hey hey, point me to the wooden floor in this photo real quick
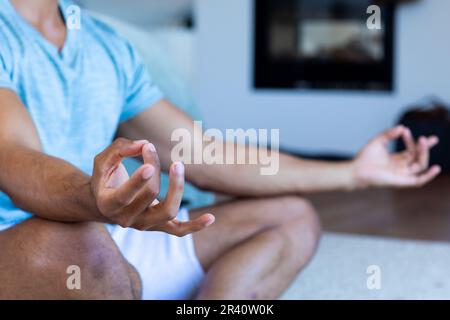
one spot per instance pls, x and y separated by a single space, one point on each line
410 214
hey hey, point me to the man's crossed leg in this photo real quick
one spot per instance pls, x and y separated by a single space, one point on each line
254 250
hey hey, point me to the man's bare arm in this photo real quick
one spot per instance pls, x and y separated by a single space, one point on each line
54 189
44 185
374 166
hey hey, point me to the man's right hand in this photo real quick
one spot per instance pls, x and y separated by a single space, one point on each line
131 202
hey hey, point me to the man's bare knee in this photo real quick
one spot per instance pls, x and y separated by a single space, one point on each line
302 226
298 208
48 249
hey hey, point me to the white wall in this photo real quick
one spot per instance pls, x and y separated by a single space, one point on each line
312 121
143 13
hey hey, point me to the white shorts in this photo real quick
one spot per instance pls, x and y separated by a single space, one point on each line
168 265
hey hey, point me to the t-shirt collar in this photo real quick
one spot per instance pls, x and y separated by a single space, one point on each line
71 42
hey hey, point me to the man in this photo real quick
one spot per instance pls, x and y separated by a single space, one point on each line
64 96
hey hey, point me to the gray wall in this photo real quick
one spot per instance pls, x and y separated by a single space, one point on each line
315 121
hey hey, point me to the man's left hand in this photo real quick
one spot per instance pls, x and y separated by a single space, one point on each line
376 166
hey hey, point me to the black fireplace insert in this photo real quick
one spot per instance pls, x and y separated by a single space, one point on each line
323 44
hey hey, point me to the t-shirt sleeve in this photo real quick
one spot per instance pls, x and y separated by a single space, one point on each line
5 74
140 91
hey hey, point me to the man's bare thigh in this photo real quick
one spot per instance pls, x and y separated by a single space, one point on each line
36 253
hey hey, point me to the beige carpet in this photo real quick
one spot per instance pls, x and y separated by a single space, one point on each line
408 269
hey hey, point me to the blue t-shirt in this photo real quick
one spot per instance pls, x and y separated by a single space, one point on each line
77 96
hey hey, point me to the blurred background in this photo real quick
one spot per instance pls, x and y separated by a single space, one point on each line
311 121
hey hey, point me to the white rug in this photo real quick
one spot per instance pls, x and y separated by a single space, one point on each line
408 270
